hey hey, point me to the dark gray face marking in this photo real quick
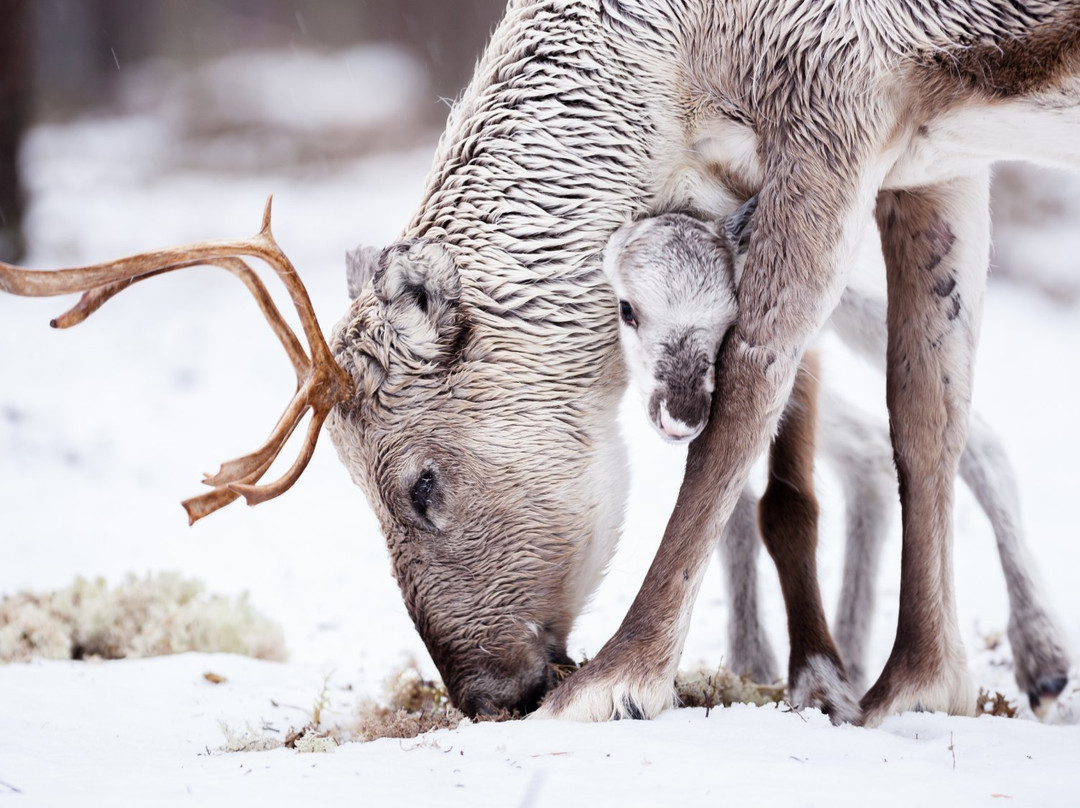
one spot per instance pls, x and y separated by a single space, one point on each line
681 371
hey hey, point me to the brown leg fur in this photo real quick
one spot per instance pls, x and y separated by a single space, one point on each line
788 518
936 243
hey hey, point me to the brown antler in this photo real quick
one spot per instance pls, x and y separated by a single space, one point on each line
320 381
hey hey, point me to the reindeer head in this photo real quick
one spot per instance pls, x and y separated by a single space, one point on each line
675 277
498 480
494 496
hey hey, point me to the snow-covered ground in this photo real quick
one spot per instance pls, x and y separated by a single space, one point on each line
103 429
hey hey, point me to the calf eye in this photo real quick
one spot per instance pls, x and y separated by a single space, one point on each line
423 492
626 313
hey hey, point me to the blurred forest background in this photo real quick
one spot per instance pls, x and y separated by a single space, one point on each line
62 58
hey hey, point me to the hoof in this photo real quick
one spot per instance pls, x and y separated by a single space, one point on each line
630 709
600 692
1045 694
822 683
950 691
1040 661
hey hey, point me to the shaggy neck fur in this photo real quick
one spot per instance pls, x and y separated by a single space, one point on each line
548 151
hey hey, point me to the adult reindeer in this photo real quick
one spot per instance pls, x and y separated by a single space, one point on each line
478 415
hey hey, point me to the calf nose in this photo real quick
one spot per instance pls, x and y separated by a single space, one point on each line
672 428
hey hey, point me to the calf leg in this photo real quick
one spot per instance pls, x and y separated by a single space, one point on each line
858 448
749 652
936 246
862 458
788 515
1041 662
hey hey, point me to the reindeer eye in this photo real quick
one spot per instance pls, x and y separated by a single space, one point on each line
626 313
423 492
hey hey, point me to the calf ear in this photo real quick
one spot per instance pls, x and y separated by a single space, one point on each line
736 227
360 267
420 285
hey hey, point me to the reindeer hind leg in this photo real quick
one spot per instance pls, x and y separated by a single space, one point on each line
936 246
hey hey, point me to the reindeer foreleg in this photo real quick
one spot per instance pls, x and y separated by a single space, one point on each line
936 246
803 236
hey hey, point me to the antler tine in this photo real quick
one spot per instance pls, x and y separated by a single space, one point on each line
321 382
254 494
266 249
324 384
94 299
241 468
206 504
228 491
237 477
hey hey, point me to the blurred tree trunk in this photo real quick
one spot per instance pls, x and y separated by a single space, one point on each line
14 95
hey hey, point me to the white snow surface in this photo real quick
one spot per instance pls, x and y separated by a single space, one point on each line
103 429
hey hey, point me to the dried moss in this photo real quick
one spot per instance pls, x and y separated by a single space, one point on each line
994 704
141 617
413 706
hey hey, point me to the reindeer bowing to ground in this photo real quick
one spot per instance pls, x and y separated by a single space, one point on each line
472 385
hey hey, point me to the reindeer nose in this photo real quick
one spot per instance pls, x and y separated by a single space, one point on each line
519 693
519 698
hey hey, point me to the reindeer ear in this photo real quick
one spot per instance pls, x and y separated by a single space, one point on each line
614 247
420 285
736 227
360 267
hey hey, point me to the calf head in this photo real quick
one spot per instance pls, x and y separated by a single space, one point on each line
675 277
499 500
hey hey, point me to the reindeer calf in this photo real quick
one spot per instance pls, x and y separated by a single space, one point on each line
675 277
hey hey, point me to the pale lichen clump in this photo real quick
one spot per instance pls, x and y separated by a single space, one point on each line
313 743
722 688
247 740
141 617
